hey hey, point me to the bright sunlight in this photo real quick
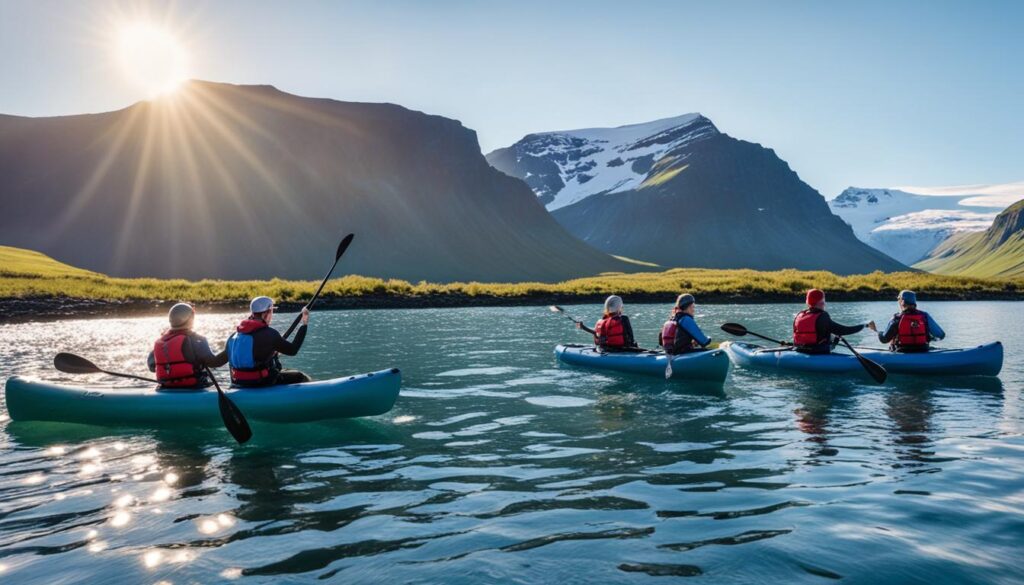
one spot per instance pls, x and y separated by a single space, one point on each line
151 58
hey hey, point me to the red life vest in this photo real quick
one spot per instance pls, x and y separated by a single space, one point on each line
673 337
172 369
244 369
805 329
610 332
912 331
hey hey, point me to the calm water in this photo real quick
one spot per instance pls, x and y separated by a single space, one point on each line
499 466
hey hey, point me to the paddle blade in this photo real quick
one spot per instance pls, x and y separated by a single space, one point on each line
234 420
555 309
70 363
874 369
343 246
668 367
734 329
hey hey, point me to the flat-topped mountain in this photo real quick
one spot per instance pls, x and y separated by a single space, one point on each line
225 181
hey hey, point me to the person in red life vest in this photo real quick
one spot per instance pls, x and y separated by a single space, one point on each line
613 332
254 346
813 328
910 330
680 334
181 356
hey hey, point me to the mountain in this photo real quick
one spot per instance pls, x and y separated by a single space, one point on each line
996 252
236 182
680 193
908 226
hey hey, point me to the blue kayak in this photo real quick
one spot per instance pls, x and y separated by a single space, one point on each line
352 396
984 360
711 365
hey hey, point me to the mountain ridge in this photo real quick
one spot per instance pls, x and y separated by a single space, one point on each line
998 252
237 181
705 200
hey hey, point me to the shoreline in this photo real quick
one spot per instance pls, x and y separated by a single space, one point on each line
55 308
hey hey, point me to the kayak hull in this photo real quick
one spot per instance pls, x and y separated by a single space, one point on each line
712 365
983 360
353 396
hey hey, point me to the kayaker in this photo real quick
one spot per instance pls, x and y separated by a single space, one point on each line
813 328
254 346
680 334
613 331
180 357
910 330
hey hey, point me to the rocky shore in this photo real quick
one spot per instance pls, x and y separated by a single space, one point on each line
48 308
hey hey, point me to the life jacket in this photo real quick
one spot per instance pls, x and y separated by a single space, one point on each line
173 370
610 332
674 338
912 331
245 371
805 329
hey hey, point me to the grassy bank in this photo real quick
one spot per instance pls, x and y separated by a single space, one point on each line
30 276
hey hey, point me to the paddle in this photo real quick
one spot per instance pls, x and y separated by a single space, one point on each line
337 256
739 331
874 369
557 309
234 420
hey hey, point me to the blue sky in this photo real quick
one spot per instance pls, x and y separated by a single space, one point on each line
864 93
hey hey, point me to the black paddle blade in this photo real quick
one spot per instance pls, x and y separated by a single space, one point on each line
234 420
734 329
343 246
874 369
70 363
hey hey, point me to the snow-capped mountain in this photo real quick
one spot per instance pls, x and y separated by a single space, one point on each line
565 167
908 226
677 192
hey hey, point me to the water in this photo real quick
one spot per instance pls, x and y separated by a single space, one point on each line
499 466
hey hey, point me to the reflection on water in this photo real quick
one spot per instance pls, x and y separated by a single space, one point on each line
499 466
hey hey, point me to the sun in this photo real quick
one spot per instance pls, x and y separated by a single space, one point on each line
151 58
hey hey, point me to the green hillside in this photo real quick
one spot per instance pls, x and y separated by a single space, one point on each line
26 263
997 252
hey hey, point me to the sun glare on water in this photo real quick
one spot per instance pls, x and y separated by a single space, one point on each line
152 58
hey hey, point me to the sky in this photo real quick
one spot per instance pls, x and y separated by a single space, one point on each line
872 94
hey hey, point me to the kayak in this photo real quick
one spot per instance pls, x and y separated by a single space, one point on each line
348 397
710 365
984 360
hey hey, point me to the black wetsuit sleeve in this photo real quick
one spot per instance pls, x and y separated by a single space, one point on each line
627 332
151 362
282 345
837 329
205 356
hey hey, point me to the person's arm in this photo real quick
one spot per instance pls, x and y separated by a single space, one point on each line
842 330
587 329
691 327
282 345
627 332
934 330
890 331
151 362
205 356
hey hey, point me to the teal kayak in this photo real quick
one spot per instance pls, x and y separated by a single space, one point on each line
712 365
348 397
984 360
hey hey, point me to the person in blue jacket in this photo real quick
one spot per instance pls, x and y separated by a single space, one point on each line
680 334
910 330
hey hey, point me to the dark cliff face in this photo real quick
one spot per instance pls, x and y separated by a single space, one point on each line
230 181
719 202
